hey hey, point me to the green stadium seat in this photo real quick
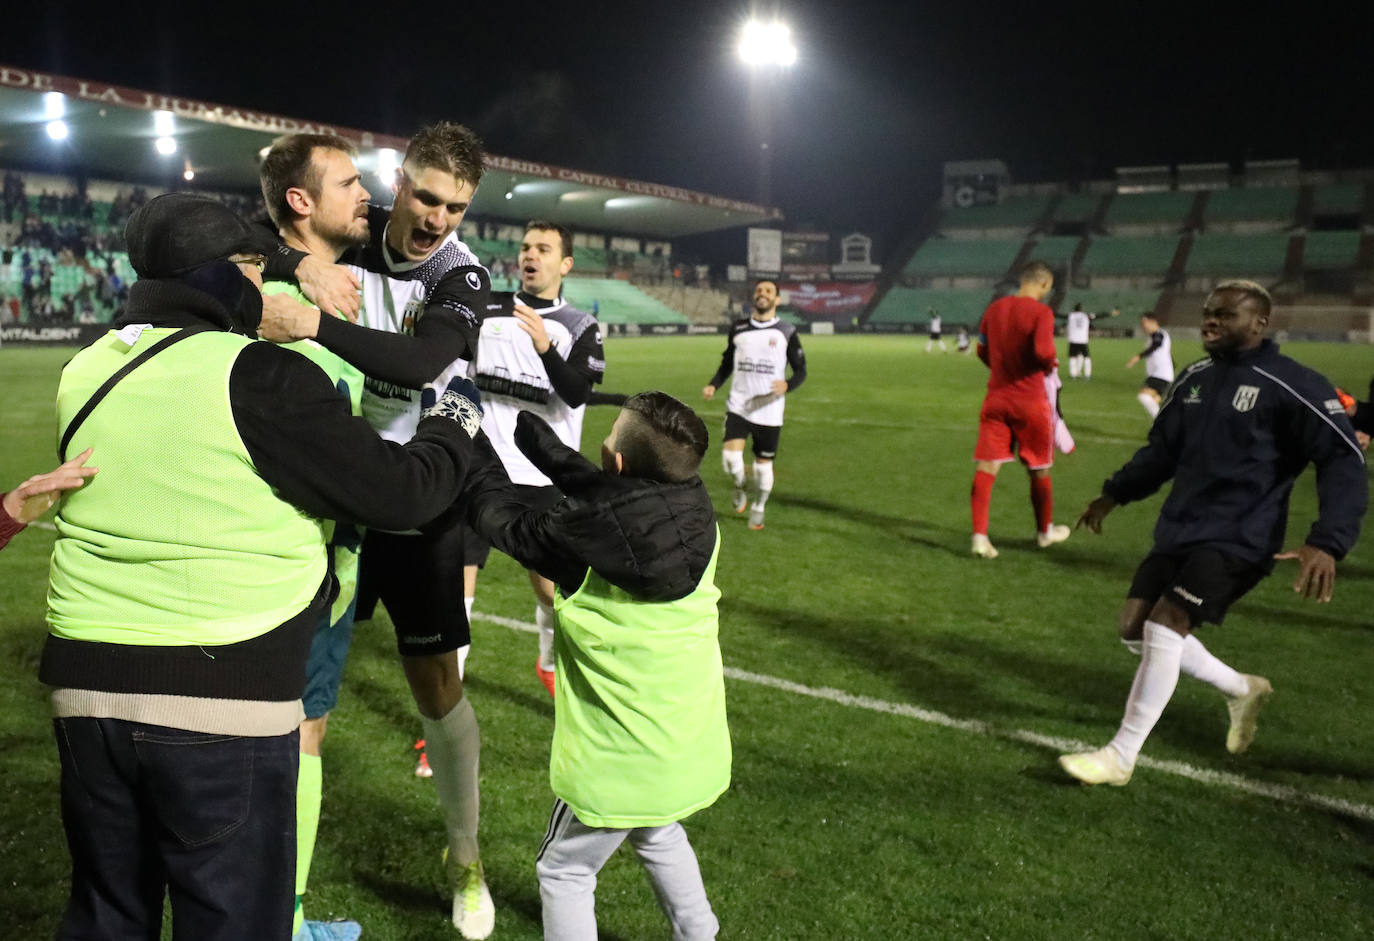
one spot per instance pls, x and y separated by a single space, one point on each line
1131 304
1338 199
1014 212
1149 209
618 301
941 256
1327 250
1055 249
1077 207
1125 255
912 305
1261 204
1222 255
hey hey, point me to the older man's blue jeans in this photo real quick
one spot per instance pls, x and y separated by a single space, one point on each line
210 820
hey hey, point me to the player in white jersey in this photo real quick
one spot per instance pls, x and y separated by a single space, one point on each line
542 355
1078 329
935 326
1159 364
422 294
758 353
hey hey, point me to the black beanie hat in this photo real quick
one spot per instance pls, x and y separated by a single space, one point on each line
173 233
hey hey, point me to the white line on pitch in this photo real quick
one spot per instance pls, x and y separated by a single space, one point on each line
1278 792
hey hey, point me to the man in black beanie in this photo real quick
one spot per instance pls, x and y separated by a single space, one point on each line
188 577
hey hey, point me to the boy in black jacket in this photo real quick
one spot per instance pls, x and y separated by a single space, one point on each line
1234 432
641 740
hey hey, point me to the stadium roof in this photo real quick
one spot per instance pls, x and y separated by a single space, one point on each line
111 132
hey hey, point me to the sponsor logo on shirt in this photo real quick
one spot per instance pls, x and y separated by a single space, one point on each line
1334 406
1194 396
1245 398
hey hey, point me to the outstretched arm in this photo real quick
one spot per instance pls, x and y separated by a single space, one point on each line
35 496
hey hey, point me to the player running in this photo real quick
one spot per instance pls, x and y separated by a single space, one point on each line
1078 329
1234 434
758 352
1159 363
935 337
1016 341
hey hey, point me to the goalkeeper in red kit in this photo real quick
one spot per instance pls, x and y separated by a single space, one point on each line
1016 342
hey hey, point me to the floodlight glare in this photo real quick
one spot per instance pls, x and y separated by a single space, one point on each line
57 130
162 123
54 105
386 165
166 146
189 175
767 44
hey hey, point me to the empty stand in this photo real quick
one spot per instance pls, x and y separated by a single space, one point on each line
1275 205
1229 255
1126 255
1015 212
903 305
618 301
1148 211
952 257
1331 250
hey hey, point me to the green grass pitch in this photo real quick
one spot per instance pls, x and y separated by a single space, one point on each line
844 821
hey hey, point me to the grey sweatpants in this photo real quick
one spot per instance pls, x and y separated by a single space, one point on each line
574 853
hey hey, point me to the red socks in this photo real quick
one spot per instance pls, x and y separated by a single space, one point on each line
981 499
1042 498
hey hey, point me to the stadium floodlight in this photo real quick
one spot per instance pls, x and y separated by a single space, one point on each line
189 175
54 105
58 130
166 146
763 44
163 123
386 165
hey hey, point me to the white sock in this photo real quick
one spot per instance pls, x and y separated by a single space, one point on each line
453 746
1075 366
544 619
1151 404
733 462
1199 663
1087 367
467 606
763 479
1155 680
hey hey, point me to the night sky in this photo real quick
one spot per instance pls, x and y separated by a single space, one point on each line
883 93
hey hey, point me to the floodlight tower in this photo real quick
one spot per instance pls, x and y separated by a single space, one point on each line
767 49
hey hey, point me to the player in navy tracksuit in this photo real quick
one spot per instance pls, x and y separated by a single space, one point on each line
1234 433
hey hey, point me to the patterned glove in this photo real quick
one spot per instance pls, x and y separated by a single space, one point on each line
460 402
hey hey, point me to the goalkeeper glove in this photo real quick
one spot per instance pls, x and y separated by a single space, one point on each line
459 401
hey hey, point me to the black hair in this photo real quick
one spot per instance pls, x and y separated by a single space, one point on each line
664 441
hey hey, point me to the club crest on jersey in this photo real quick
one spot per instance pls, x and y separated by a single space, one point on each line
1245 398
411 314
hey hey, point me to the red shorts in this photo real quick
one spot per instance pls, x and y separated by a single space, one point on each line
1016 426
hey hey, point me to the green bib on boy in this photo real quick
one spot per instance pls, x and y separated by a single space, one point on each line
640 737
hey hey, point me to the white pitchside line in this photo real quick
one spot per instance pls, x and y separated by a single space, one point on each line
1278 792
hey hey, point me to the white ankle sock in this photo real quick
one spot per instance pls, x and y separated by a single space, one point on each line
1199 663
1155 680
1087 367
1075 366
1151 405
453 746
544 619
733 462
763 479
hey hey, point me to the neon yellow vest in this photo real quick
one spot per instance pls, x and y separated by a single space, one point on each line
177 540
640 738
348 379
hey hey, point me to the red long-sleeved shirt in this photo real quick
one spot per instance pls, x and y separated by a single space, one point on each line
1016 341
